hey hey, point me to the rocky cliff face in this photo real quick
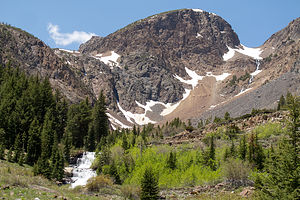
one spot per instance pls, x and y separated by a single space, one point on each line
31 54
185 63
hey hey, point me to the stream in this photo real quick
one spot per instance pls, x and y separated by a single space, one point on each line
82 171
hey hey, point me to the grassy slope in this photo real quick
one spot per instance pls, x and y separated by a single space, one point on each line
23 185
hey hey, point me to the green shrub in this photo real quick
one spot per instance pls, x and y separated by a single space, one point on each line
267 130
236 171
96 183
131 192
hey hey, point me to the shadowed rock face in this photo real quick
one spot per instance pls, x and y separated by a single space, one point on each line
151 52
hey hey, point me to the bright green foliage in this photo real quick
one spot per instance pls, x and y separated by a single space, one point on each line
149 185
269 130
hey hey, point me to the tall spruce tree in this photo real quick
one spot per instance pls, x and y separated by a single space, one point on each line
47 135
149 185
243 148
99 118
34 141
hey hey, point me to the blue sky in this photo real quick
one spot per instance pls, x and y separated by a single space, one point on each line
67 23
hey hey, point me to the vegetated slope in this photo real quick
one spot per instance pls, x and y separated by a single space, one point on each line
23 50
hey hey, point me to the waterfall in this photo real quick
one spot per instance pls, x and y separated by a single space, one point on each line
257 71
82 171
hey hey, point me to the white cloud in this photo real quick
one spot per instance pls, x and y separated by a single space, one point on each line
65 39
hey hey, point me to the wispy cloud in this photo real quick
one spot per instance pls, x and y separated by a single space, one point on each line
65 39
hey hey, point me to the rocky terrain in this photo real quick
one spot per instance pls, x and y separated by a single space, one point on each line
185 63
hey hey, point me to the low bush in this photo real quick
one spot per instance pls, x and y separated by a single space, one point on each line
96 183
236 172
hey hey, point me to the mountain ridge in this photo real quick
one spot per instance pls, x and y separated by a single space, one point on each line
166 62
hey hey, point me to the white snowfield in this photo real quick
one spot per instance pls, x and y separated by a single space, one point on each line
109 60
197 10
195 77
252 52
69 51
140 119
115 122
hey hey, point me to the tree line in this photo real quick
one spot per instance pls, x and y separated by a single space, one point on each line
38 126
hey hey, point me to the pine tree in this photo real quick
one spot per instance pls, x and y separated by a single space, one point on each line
90 141
2 139
281 102
9 155
281 180
47 135
78 122
33 146
57 165
125 144
2 151
227 116
21 157
243 148
113 172
171 161
149 185
17 148
99 118
67 147
209 156
255 153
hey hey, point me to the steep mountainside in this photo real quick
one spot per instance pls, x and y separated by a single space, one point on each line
31 54
185 63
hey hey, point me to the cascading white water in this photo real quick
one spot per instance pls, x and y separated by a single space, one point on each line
82 171
257 71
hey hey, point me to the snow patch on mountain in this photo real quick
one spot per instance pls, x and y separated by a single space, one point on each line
228 54
252 52
197 10
218 77
140 119
110 60
116 122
